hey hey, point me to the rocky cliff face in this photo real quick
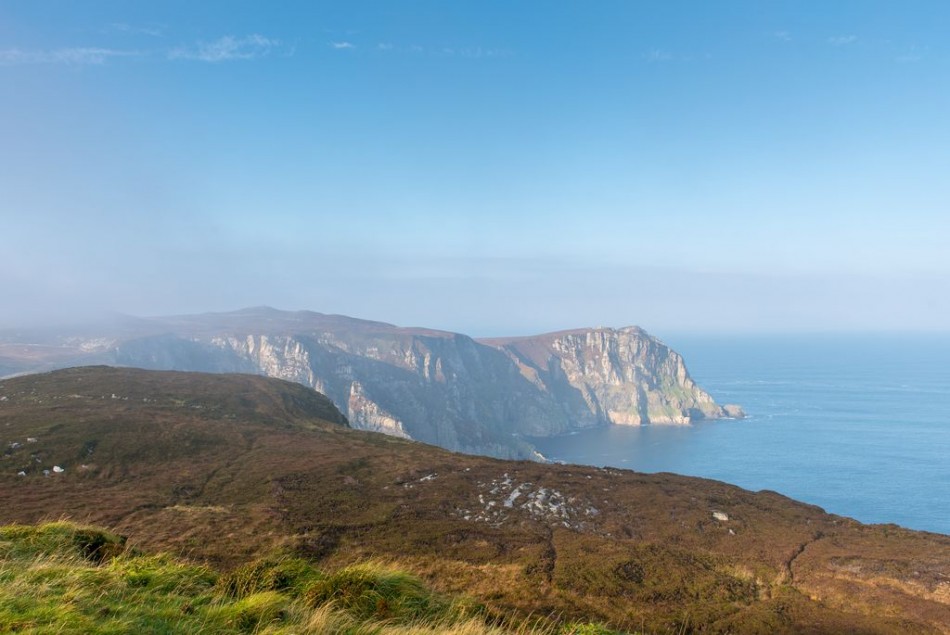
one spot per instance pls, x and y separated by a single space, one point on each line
442 388
620 376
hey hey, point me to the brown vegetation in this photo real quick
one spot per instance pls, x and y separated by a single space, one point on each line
227 468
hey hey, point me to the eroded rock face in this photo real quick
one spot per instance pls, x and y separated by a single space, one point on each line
620 376
442 388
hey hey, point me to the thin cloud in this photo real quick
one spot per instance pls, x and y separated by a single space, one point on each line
842 40
342 46
479 52
910 55
226 49
151 30
657 56
784 36
467 52
75 56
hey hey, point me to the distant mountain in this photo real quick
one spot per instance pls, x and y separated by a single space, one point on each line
474 396
227 468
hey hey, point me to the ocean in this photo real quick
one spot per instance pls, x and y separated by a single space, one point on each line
856 424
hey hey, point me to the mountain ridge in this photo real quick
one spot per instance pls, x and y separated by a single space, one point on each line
480 396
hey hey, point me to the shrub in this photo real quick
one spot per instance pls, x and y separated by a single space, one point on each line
274 574
375 592
60 539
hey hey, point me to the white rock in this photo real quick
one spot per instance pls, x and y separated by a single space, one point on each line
720 516
58 469
513 496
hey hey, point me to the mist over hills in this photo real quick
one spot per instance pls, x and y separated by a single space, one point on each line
448 389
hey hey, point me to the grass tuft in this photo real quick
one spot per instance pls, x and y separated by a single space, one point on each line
588 629
252 613
60 539
287 574
372 591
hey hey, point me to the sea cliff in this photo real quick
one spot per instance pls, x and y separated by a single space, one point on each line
448 389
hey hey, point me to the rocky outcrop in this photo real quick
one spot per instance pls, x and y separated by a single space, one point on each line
443 388
620 376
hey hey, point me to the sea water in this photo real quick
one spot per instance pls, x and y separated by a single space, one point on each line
857 424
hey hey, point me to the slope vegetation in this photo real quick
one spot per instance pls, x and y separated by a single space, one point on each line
227 469
63 578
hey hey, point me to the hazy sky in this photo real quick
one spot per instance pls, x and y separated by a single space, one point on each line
489 167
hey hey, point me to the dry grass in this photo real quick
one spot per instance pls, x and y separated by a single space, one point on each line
51 582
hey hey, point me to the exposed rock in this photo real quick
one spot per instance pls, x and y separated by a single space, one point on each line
621 376
733 411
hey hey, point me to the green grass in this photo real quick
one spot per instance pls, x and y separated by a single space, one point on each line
65 578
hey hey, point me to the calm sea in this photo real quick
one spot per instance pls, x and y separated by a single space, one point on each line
859 425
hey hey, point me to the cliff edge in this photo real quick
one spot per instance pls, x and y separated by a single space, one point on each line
613 376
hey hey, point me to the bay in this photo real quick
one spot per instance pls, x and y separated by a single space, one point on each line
857 424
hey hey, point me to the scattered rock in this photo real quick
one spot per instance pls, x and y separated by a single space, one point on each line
733 411
720 516
502 496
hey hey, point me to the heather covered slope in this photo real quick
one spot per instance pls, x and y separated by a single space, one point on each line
223 469
433 386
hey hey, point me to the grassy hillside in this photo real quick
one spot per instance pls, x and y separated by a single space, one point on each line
65 578
223 470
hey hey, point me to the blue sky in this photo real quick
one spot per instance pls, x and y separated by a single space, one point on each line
489 167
